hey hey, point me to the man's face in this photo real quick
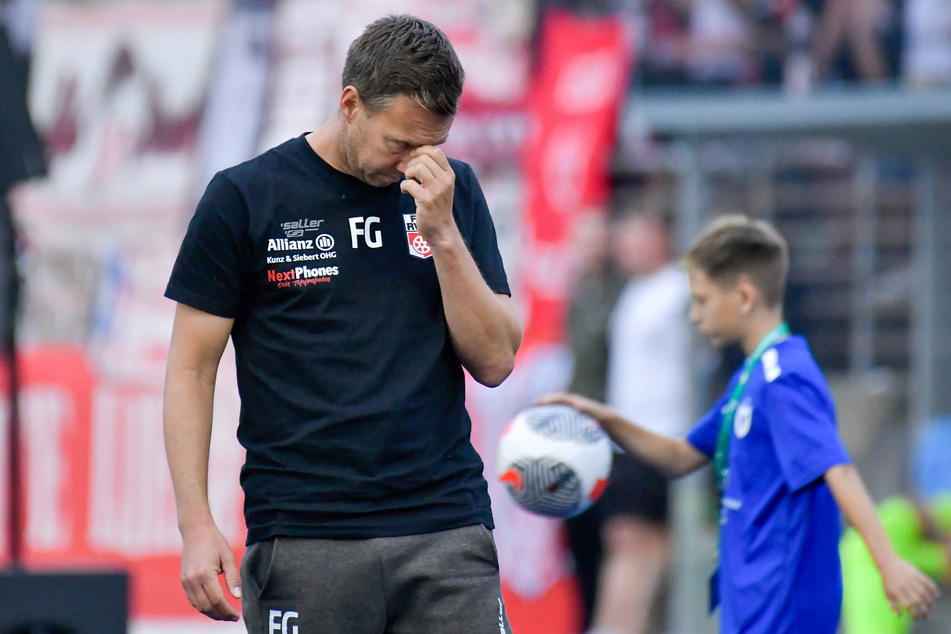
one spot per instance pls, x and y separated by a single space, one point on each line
377 144
716 311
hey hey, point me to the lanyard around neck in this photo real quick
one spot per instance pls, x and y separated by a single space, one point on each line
721 457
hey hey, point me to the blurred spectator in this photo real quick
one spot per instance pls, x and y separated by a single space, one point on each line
714 43
927 57
721 44
597 287
20 16
666 43
596 290
646 379
856 39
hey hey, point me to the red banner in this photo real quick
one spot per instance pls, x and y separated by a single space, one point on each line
95 489
582 78
573 106
54 458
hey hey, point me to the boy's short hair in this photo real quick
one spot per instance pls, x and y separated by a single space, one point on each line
404 55
735 245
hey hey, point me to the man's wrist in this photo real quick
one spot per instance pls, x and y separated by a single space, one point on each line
446 240
194 520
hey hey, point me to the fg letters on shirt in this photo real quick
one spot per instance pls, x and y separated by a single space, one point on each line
280 622
360 226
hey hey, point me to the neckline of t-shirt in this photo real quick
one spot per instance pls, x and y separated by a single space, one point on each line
326 168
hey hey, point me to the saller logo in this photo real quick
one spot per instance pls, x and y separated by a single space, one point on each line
418 247
296 228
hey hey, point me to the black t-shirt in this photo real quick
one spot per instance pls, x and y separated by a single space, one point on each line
352 396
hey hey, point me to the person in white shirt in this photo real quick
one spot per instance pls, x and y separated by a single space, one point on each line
647 380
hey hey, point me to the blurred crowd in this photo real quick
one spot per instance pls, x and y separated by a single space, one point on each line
797 44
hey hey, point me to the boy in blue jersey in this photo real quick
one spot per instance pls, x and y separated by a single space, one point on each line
783 472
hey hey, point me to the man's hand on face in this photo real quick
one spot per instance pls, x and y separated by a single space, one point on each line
431 182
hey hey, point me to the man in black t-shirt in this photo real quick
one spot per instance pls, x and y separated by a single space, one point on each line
356 271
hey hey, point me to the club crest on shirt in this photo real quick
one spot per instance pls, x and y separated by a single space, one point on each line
743 419
418 247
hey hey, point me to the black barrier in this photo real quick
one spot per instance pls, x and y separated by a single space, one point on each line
64 602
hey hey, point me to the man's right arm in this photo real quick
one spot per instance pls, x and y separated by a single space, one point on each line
198 341
673 457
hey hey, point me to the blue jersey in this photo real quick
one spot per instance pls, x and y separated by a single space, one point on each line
779 534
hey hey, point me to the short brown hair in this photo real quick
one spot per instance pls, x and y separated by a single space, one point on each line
735 245
404 55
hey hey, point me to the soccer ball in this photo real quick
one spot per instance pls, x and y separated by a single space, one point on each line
554 460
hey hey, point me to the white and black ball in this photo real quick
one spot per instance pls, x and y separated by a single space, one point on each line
553 460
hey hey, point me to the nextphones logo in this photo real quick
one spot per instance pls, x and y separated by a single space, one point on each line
302 276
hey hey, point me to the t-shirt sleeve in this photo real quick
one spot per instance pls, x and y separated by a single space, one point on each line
212 260
704 434
803 431
481 237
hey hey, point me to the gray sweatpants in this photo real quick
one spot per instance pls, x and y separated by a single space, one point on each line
437 583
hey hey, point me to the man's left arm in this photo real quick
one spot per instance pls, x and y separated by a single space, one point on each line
905 586
483 324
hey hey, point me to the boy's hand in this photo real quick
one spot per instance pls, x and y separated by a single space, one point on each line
674 457
906 587
588 407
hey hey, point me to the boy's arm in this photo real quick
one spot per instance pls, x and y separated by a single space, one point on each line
905 586
674 457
